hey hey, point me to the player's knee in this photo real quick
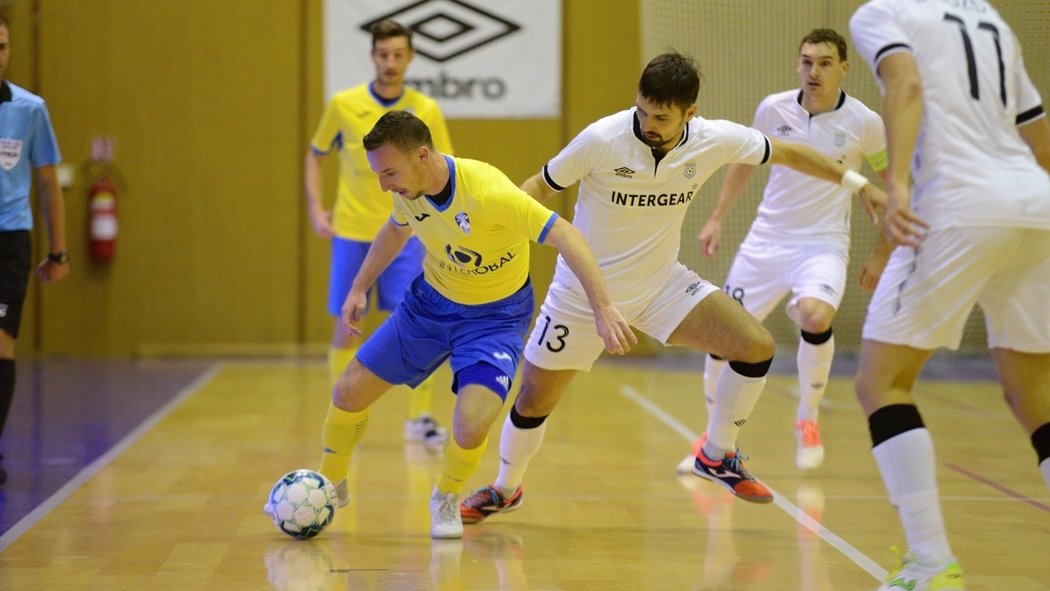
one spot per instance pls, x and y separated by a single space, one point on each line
760 348
815 316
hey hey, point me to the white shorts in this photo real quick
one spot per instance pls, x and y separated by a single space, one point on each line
565 336
763 273
925 295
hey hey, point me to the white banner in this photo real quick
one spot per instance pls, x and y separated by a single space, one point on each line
480 59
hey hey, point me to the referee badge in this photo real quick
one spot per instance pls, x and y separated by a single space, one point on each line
10 153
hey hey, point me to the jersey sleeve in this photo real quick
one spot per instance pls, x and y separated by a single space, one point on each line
876 33
43 147
575 161
741 144
512 208
1029 102
399 215
329 131
762 114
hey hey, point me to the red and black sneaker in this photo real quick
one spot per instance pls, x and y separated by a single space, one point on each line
487 501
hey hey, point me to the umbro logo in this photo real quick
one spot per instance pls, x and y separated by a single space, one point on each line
784 130
624 172
422 217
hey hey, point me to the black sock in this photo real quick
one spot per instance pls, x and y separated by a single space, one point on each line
7 389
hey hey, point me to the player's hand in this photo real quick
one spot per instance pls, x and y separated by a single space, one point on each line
872 270
900 224
710 236
873 199
321 220
354 307
50 271
614 330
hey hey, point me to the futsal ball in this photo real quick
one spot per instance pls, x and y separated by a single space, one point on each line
302 503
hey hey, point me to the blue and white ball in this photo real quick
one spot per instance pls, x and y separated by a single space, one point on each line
302 503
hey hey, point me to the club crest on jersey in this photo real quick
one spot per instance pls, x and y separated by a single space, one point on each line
463 221
10 152
840 139
690 169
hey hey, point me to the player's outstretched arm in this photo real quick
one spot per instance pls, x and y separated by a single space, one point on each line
612 327
537 188
736 178
387 244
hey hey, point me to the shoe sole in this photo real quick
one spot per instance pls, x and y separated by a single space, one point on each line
756 500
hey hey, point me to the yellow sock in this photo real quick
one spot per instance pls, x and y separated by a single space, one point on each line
338 359
341 431
460 465
420 398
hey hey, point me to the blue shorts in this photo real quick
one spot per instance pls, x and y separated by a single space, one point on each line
427 328
347 256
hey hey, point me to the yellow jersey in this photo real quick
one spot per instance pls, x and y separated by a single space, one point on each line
477 242
361 206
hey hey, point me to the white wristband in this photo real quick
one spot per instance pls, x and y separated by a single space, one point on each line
853 180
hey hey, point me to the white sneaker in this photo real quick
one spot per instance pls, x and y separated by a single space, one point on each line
810 454
445 521
342 492
426 430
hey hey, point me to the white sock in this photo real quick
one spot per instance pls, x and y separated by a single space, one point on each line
1044 467
516 449
735 398
712 369
908 470
814 367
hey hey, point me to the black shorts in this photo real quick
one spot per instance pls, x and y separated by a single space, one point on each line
15 250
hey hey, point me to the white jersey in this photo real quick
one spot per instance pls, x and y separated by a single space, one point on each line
971 167
799 208
631 206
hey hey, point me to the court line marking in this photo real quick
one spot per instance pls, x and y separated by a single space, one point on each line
41 510
847 549
1003 489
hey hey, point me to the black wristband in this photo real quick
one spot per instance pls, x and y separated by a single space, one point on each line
58 257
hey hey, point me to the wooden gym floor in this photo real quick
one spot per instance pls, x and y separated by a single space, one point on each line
154 477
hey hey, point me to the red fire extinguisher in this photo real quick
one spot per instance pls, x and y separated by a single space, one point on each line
102 221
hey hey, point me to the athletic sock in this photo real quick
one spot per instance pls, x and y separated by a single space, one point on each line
735 398
7 389
341 431
338 359
713 367
814 367
460 465
908 468
517 446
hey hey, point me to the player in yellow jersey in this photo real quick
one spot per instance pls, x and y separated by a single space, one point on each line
362 207
472 305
